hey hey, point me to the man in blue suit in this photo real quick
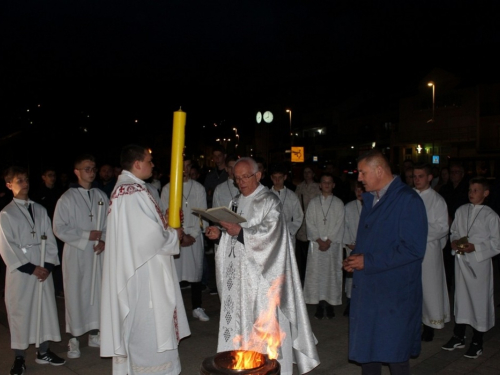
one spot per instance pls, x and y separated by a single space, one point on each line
386 300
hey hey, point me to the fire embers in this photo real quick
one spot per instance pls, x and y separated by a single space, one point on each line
241 362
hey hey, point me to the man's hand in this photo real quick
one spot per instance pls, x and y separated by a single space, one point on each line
232 229
41 273
323 245
212 233
187 240
468 248
95 235
180 233
99 248
354 262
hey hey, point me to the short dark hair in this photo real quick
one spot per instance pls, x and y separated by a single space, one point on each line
219 148
11 172
481 181
425 166
130 154
231 157
278 168
326 174
83 157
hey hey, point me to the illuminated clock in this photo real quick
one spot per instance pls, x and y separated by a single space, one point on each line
268 116
259 117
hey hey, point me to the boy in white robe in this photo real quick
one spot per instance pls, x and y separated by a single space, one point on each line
22 223
189 264
76 224
436 303
475 239
294 216
352 214
325 230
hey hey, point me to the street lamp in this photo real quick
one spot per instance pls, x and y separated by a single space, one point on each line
431 84
289 111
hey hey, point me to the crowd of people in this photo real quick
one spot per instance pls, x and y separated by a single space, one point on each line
396 247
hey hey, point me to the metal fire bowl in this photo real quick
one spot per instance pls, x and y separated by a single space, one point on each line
219 365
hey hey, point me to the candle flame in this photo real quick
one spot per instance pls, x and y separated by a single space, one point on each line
266 336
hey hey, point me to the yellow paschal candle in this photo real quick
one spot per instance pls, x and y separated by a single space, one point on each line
176 166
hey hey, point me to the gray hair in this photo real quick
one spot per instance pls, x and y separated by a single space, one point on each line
250 161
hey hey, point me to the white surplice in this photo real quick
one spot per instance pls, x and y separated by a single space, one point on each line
294 216
189 264
143 316
72 225
474 303
352 213
245 273
436 302
325 220
224 193
305 192
18 246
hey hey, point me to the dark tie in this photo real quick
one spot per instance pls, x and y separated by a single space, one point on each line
30 210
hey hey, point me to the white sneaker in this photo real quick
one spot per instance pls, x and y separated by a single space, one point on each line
74 348
199 313
95 340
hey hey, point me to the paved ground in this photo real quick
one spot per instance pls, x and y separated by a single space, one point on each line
332 347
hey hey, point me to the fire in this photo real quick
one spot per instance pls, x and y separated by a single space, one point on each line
266 335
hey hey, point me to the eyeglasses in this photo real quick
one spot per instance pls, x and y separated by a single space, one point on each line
88 170
244 178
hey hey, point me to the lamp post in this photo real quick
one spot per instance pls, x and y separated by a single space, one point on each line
431 84
289 111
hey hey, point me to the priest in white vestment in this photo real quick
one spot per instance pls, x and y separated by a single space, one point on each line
142 314
76 224
475 239
189 263
251 257
22 223
436 303
325 231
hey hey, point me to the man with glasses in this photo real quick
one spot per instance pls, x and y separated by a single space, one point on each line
76 224
255 259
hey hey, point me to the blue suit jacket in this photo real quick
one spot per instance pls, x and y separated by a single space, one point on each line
386 301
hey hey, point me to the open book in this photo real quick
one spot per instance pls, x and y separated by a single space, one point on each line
218 214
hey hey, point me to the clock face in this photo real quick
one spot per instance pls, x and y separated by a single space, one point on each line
259 117
268 116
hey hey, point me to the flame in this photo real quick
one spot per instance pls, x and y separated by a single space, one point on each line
266 335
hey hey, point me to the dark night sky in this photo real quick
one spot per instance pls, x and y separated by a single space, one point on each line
118 60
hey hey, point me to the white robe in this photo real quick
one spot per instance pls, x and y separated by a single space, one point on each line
294 215
19 247
323 281
352 213
474 303
305 192
245 273
436 302
189 264
72 225
224 193
142 315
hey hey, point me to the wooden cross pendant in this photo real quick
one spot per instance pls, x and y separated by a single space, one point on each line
33 233
91 216
324 221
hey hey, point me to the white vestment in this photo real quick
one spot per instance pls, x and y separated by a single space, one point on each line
72 225
245 273
325 220
294 216
224 193
305 192
190 262
352 213
436 303
474 303
142 315
18 246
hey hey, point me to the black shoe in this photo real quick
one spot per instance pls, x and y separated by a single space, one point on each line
330 313
320 312
454 343
213 291
18 367
427 334
474 351
49 357
347 310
